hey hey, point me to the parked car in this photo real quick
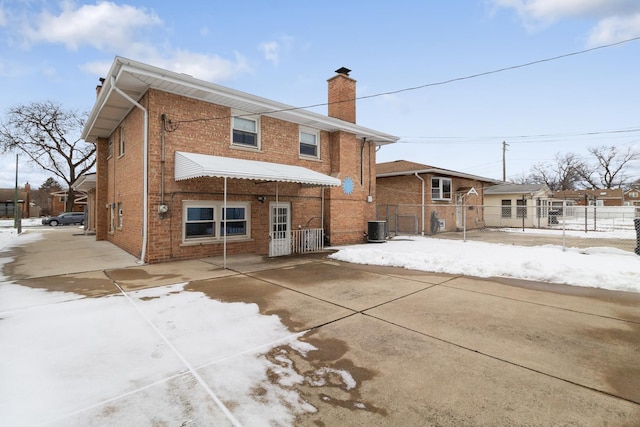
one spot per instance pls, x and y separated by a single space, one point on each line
64 219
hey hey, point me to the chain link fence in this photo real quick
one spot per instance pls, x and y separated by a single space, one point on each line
555 224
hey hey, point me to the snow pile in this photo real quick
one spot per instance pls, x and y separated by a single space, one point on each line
606 268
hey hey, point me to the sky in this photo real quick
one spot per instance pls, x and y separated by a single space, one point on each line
163 347
285 51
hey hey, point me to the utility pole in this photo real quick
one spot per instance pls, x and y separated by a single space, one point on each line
504 161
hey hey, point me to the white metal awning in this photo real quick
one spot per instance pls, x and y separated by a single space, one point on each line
192 165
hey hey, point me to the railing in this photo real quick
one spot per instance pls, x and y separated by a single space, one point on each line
307 240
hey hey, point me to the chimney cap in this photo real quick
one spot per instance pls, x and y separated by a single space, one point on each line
343 70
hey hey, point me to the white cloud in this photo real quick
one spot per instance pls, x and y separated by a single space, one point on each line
616 19
3 18
119 30
104 26
271 51
615 28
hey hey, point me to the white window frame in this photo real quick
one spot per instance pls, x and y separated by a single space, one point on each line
505 209
121 145
112 218
522 207
110 148
316 135
440 188
256 120
218 221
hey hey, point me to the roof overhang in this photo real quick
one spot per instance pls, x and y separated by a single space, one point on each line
135 79
193 165
85 183
438 171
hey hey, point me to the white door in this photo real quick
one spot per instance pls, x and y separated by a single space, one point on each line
279 228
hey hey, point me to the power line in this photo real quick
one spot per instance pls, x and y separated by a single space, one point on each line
551 137
440 83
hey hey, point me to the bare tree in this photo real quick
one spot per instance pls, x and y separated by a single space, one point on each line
562 174
609 167
49 135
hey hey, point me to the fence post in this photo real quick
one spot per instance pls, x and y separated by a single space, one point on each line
636 222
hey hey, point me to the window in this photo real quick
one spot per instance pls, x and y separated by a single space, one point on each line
120 215
506 208
62 199
245 132
199 222
308 143
112 217
121 146
521 210
633 194
208 221
542 208
440 189
235 220
110 151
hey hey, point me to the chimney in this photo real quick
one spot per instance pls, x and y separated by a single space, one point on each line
99 87
342 96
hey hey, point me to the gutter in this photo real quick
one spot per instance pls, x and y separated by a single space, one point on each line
145 189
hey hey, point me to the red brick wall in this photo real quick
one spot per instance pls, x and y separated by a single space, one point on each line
407 190
199 127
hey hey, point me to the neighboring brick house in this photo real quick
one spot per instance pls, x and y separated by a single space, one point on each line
188 169
632 197
518 205
58 200
7 202
427 199
594 197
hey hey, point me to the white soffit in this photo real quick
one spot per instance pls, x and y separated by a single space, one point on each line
192 165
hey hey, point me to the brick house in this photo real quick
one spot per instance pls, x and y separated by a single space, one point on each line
427 199
188 169
632 197
7 202
592 197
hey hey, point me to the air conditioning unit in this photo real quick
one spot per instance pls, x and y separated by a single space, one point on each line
441 225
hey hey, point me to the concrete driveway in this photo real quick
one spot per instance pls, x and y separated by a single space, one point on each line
423 349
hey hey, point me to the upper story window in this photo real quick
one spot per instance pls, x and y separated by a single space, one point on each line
121 145
633 194
440 188
110 149
309 143
246 132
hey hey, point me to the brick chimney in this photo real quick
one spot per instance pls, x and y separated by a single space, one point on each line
342 96
99 87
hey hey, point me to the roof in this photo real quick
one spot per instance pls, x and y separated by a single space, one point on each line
7 194
404 167
85 183
509 188
192 165
612 193
135 79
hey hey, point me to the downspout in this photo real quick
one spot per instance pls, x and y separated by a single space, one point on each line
421 179
145 151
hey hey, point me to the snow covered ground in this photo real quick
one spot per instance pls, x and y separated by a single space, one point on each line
600 267
128 358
